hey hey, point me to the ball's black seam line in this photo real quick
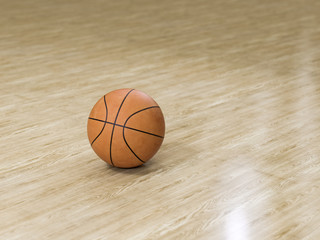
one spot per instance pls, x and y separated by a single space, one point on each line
134 129
105 103
138 112
124 138
124 126
96 119
115 122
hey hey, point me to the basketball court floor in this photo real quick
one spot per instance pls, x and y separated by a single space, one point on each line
238 83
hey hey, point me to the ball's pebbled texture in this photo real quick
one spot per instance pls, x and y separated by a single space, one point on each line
126 128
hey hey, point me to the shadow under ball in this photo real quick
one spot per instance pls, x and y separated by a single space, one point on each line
126 128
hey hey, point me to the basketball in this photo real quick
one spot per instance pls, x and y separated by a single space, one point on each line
126 128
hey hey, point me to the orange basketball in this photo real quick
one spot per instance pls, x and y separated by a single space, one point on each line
126 128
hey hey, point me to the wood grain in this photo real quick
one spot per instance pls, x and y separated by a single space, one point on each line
239 85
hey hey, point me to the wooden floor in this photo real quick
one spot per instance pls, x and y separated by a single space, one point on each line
238 83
